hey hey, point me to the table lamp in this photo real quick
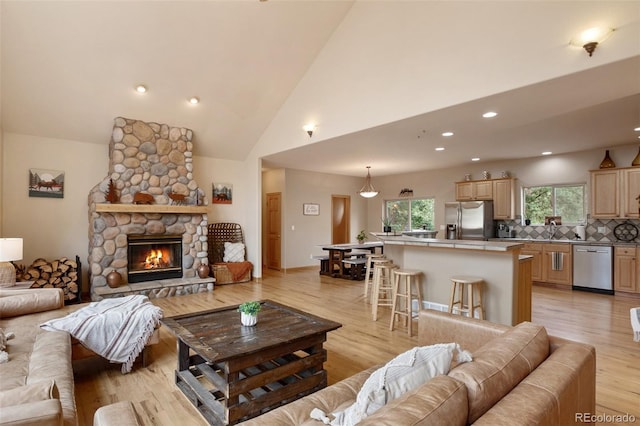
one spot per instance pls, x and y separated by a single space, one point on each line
10 250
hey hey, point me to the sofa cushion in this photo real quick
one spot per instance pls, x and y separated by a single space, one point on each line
29 393
440 401
500 365
233 252
405 372
27 301
557 392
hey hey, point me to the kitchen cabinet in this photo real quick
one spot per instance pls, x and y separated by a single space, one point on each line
605 198
552 262
535 250
614 193
625 270
477 190
630 192
503 199
557 263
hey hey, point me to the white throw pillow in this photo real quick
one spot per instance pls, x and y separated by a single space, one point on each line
233 252
405 372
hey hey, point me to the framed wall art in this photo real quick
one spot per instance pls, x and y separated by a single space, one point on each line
311 209
222 193
46 183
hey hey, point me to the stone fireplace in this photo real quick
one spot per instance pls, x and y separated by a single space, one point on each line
151 257
155 234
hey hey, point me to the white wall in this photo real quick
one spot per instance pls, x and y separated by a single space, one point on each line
303 233
53 227
554 169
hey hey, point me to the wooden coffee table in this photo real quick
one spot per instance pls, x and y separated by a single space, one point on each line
232 373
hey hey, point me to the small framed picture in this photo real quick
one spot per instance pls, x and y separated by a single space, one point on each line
46 183
222 193
311 209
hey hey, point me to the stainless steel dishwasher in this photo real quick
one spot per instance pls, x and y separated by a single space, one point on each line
593 268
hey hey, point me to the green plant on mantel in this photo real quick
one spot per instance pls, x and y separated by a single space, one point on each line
250 308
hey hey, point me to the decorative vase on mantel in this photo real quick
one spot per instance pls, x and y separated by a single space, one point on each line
636 161
607 162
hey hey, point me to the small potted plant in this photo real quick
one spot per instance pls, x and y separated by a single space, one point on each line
361 237
249 312
386 224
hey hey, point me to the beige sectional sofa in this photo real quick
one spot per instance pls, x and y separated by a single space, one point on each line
519 375
36 384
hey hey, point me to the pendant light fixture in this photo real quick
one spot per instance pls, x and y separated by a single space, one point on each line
368 191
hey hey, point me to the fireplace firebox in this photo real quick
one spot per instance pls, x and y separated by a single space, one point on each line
153 257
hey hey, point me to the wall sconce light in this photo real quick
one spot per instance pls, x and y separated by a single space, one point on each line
141 88
309 128
589 39
10 250
368 191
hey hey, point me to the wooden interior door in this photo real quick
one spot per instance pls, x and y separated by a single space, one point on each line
274 228
340 219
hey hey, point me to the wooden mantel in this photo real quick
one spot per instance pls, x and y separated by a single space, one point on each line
149 208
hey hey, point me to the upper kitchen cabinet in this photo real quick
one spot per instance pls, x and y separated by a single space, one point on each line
503 199
501 191
631 192
615 192
475 190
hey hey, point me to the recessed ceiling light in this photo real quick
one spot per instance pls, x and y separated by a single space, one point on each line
637 129
547 153
141 88
489 114
440 148
194 100
447 134
475 159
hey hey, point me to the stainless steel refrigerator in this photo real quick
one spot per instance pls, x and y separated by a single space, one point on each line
469 220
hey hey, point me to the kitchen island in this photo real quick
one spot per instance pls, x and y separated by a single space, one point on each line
506 295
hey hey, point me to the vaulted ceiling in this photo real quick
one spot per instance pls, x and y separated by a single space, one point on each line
69 68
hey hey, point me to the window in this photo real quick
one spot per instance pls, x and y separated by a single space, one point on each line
407 215
566 201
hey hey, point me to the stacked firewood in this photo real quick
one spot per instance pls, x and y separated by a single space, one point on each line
62 273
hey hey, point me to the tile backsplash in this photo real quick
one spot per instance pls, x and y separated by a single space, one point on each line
591 227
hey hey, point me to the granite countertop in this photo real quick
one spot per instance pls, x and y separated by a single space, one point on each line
565 241
498 246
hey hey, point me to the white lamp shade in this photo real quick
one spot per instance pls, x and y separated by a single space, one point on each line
10 249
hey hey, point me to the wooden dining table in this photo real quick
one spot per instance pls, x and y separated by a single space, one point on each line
339 252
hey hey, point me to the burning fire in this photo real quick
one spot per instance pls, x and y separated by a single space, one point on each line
157 259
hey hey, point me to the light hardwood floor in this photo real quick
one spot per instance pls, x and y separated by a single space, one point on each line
600 320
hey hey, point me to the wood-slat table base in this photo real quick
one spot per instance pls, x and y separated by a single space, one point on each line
235 386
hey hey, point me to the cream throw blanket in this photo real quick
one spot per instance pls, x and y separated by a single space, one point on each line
116 329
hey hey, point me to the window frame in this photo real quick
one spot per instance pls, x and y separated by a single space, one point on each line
554 211
410 200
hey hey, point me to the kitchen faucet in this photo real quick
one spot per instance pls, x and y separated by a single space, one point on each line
552 229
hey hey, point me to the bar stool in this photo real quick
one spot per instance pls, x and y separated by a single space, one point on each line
473 288
371 259
382 284
404 291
